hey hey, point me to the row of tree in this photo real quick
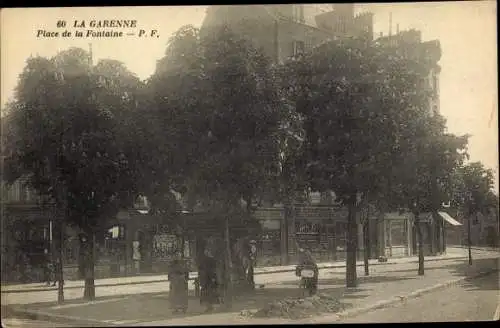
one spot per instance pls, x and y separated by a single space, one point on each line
222 125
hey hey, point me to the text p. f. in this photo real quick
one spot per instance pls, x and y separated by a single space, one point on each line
151 34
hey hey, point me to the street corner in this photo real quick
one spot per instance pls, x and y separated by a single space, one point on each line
26 317
72 312
130 310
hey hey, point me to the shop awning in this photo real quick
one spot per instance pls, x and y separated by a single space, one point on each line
449 219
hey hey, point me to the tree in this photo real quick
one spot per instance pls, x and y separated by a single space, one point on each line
72 139
355 98
472 192
475 180
216 98
424 185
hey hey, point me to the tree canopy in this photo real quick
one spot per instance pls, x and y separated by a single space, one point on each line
73 132
220 115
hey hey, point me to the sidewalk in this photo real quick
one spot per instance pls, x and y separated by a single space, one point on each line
386 284
452 253
378 291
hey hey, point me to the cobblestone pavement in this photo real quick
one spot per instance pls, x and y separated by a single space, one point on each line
384 282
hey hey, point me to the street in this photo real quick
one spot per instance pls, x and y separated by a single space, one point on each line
475 300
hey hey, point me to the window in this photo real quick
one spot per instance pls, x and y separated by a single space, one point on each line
298 47
435 83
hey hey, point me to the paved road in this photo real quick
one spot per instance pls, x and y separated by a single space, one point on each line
476 300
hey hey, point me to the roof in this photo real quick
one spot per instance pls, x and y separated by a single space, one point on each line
310 11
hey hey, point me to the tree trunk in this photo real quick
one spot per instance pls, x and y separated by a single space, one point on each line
229 284
366 242
285 246
60 274
89 288
469 241
352 242
420 246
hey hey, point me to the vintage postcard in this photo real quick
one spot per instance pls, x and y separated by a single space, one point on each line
249 164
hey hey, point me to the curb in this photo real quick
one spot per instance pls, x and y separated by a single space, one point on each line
64 319
321 267
486 248
401 299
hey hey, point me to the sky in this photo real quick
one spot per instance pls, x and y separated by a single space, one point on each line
466 30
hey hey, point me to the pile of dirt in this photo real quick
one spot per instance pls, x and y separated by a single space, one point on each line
298 308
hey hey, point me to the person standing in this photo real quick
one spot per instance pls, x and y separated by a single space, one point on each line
57 272
136 256
208 280
307 260
252 263
48 269
178 276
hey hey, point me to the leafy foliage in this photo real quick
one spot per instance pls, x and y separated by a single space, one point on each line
472 188
73 133
220 113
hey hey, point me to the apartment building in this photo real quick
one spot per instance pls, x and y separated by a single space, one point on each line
285 30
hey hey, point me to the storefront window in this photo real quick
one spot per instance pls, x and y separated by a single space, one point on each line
398 232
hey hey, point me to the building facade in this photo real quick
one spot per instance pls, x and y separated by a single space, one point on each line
282 31
409 43
27 232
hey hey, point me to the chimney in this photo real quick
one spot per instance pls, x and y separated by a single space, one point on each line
390 24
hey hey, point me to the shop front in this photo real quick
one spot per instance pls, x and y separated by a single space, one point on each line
26 242
398 234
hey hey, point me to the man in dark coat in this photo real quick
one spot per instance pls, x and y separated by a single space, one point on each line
178 277
208 280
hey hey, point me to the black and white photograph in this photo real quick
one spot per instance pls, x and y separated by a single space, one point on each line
249 164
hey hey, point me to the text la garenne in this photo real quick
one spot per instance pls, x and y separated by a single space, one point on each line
110 23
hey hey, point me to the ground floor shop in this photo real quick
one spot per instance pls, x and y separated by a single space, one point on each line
135 242
321 229
26 239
